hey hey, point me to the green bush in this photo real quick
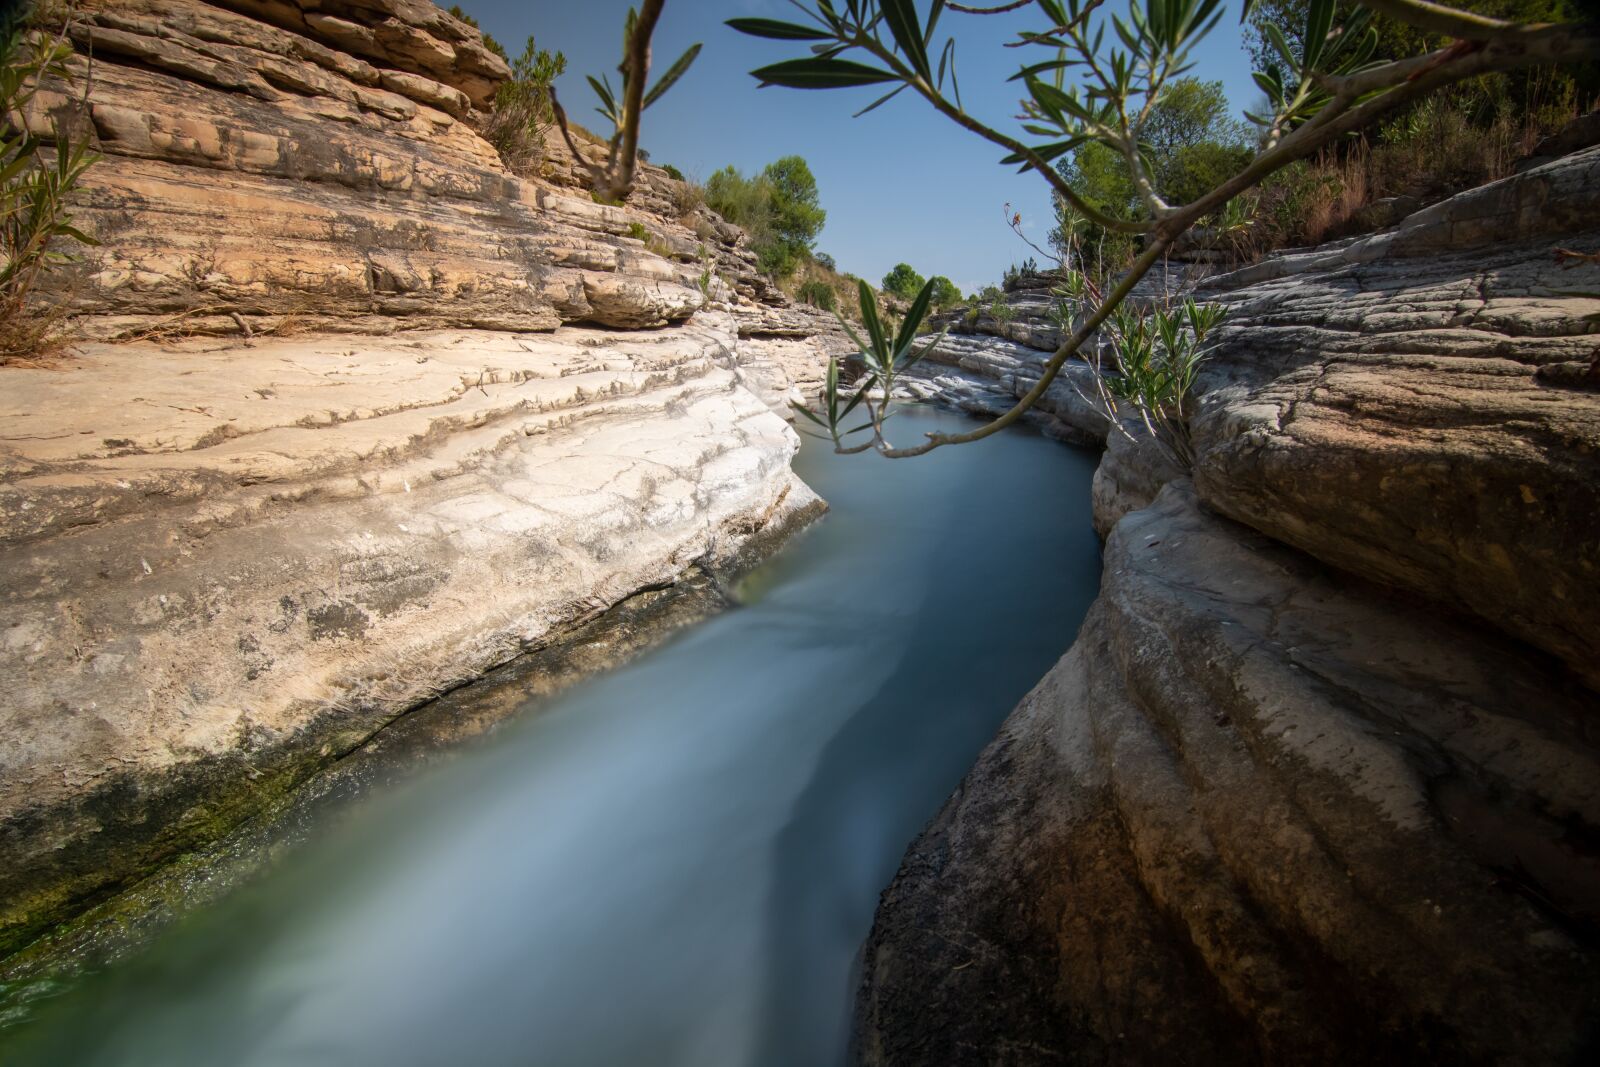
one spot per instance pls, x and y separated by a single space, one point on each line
818 294
34 221
522 115
778 208
1194 146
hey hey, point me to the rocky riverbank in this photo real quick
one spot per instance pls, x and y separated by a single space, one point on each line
1320 778
356 416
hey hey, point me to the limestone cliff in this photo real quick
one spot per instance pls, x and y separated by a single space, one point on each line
358 415
1320 779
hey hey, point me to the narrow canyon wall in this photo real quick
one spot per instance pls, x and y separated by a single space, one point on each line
355 416
1320 778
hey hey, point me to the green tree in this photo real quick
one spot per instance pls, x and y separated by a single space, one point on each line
1395 39
778 208
796 214
818 294
1192 146
903 281
945 293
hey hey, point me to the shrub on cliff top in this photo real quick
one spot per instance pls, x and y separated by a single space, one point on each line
35 226
779 208
818 294
523 113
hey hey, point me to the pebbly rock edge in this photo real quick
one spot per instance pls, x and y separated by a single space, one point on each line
1320 777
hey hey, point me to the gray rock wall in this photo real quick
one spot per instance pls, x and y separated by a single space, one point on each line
1318 781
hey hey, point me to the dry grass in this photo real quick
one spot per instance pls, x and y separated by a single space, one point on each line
1429 155
846 294
688 197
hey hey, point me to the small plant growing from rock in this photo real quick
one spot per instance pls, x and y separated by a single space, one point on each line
523 111
708 263
1143 362
1003 313
886 354
37 176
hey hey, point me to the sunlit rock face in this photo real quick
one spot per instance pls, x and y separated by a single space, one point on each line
1321 776
360 415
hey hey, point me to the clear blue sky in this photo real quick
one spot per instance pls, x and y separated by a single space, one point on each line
900 184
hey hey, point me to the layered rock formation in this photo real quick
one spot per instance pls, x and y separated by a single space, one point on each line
353 158
1320 779
360 416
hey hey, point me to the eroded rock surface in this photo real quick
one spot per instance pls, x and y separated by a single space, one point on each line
224 567
1319 784
986 376
1260 813
1380 406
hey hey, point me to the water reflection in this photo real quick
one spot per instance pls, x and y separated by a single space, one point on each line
674 863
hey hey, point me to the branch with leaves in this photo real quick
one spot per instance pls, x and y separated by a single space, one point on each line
614 181
1122 67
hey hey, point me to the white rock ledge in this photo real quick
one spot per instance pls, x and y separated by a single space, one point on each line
222 562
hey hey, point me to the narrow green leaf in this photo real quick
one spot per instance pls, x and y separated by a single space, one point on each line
808 413
851 333
670 78
869 318
778 31
901 15
821 74
914 317
1281 44
861 394
1319 20
884 99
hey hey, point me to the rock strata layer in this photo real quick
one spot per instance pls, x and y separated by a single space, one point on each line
1320 779
274 168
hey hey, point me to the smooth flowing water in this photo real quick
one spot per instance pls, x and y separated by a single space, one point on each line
674 863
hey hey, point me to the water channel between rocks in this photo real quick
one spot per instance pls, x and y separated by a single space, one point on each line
674 863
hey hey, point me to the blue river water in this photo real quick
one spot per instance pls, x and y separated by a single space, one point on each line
674 863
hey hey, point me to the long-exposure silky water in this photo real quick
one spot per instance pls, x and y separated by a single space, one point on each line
674 863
